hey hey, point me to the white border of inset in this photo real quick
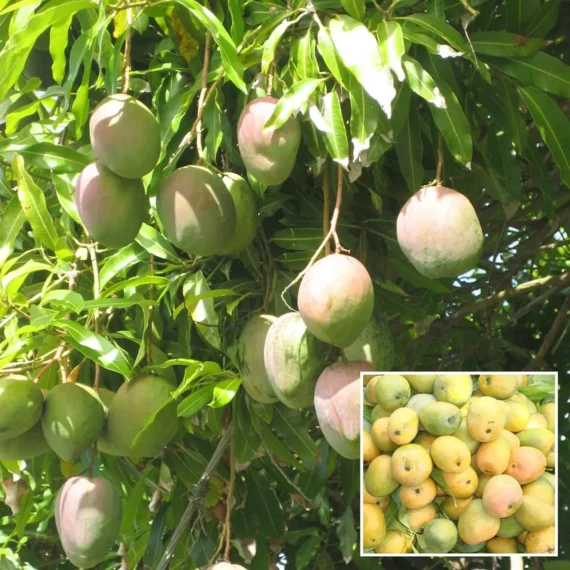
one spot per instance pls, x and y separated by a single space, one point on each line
460 554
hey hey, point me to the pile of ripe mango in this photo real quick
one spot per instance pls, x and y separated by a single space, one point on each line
454 463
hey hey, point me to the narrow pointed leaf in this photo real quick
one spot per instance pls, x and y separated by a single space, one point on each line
354 8
544 20
331 58
305 56
364 112
505 44
271 43
520 13
336 140
409 149
13 219
391 42
422 83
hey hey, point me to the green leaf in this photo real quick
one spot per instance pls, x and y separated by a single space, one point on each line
520 13
54 157
346 533
422 83
409 149
539 70
336 140
238 25
193 403
358 49
270 45
305 61
502 156
553 125
13 219
16 50
391 41
454 126
439 28
290 426
224 392
120 261
96 347
213 123
58 39
201 309
34 206
544 20
298 239
263 501
232 64
505 44
291 101
331 58
156 244
364 116
247 440
436 8
354 8
274 446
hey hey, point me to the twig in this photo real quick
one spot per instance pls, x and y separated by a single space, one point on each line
522 289
550 335
202 96
471 10
439 170
126 79
230 497
96 293
538 301
330 233
47 365
270 76
196 500
286 477
326 205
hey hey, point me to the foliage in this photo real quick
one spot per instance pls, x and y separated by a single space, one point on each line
379 86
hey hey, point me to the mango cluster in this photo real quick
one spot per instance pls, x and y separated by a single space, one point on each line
68 420
454 464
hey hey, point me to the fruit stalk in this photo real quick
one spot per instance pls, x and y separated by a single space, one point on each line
126 78
230 497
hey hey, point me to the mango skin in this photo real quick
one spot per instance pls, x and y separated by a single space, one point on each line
540 438
493 456
125 136
541 542
500 545
381 435
246 206
374 345
450 454
549 412
337 404
395 542
411 465
454 507
541 488
453 388
22 403
88 514
534 514
111 208
27 445
418 401
378 479
510 528
502 496
197 211
369 449
378 412
373 525
439 232
336 299
418 518
462 485
134 403
72 419
268 154
440 535
226 566
463 434
294 359
526 464
422 383
419 496
499 386
486 418
440 418
475 525
517 416
251 364
403 425
392 391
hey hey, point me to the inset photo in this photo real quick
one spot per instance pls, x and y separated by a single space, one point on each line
461 463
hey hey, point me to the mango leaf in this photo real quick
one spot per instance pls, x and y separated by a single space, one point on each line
298 239
305 61
263 501
291 427
415 35
96 347
156 244
505 44
228 50
331 58
553 125
391 41
213 123
539 70
439 28
194 402
54 157
13 219
224 392
346 533
364 115
120 261
502 156
336 140
520 13
270 45
358 49
422 83
34 206
436 8
58 39
247 440
544 20
290 103
409 150
454 126
354 8
238 25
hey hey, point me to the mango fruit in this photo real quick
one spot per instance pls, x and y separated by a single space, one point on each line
539 438
378 479
369 449
425 439
475 525
549 412
526 464
541 541
422 383
541 488
411 464
536 421
517 416
373 526
502 496
337 404
493 456
486 418
452 507
395 542
392 391
381 436
418 496
535 514
440 535
499 386
461 485
418 518
403 425
439 232
27 445
88 513
462 433
379 412
21 405
509 528
418 401
294 359
336 299
440 418
374 345
369 390
453 388
450 454
500 545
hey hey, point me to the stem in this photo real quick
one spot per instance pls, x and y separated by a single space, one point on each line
439 160
96 293
126 80
231 485
150 317
550 335
202 96
270 76
330 233
326 205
